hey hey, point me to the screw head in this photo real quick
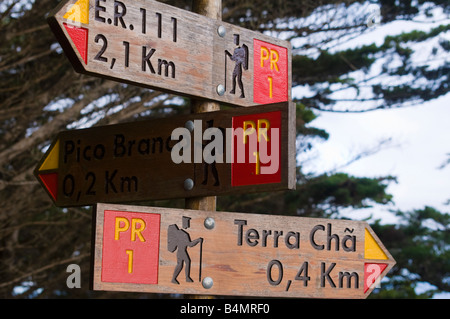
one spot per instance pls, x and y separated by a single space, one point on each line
209 223
207 282
221 31
188 184
220 89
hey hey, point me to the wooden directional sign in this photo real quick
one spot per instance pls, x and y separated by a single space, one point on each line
208 154
165 250
151 44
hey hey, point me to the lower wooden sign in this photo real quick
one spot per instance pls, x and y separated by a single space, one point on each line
165 250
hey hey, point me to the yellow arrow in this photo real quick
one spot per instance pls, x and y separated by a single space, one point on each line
78 12
52 160
371 248
46 171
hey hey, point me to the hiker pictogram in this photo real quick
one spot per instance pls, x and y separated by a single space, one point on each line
180 240
240 57
211 164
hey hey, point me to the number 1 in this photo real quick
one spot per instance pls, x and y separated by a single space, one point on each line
127 53
130 260
270 86
258 169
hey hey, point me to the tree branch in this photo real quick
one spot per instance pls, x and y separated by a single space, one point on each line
34 272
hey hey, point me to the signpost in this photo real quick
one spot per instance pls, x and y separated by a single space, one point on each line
151 44
207 154
165 250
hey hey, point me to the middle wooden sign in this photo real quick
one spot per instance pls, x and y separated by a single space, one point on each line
225 152
154 45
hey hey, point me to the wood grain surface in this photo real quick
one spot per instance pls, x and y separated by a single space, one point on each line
244 254
133 162
151 44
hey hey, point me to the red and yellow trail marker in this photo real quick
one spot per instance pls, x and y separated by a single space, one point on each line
378 264
76 16
47 170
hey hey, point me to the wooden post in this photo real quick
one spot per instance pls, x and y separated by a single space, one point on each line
209 8
212 9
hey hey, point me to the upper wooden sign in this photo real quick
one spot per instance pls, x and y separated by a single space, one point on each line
151 44
165 250
207 154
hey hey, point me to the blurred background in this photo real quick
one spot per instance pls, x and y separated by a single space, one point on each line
370 82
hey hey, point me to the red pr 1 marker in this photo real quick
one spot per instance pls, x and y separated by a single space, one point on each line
270 64
130 247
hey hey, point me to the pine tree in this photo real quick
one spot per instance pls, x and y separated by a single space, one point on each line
420 245
41 95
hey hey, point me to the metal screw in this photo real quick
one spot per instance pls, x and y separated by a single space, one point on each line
221 31
207 282
209 223
188 184
220 89
189 125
